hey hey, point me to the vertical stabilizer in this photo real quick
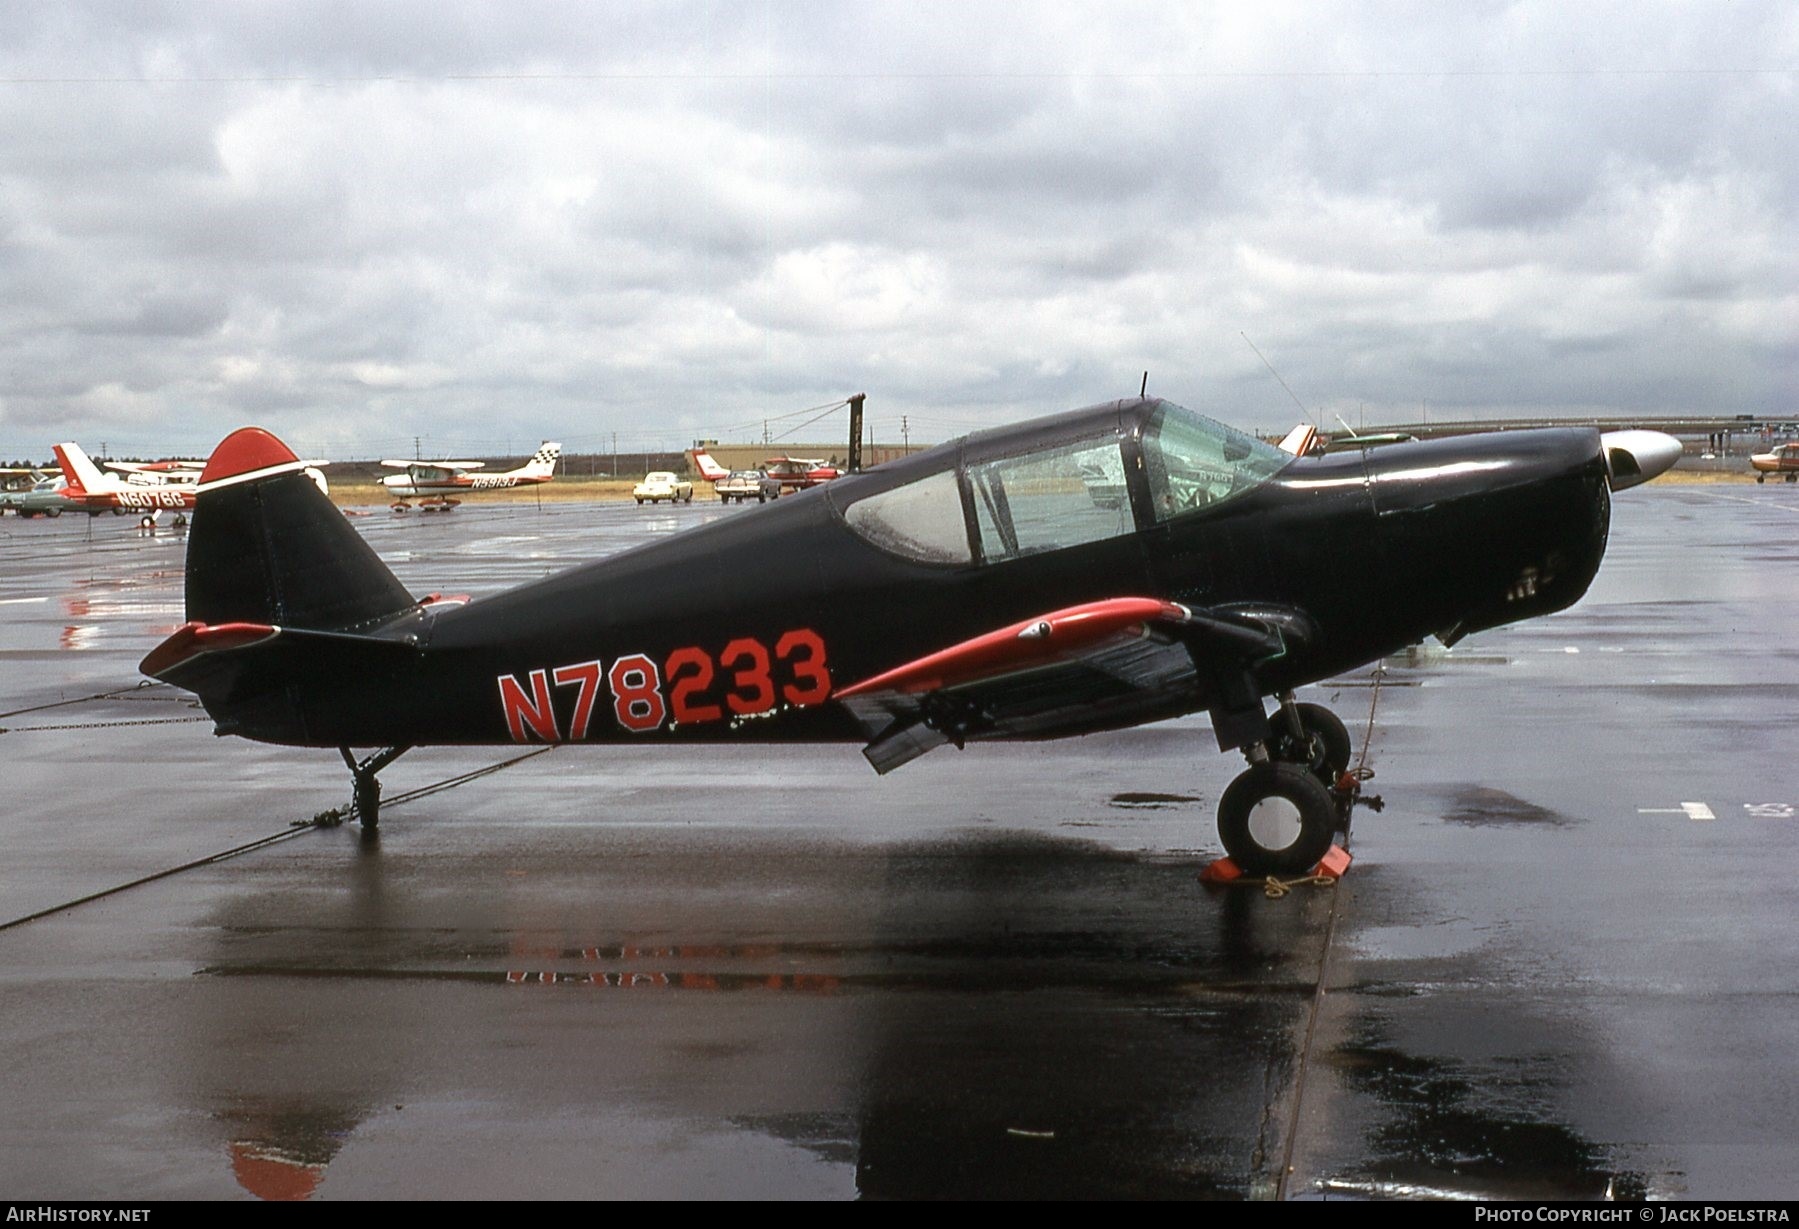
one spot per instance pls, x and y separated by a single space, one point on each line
80 471
267 546
543 465
709 469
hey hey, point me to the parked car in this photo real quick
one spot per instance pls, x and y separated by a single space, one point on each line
662 485
45 499
742 484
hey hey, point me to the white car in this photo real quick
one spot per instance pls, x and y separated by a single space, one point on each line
663 485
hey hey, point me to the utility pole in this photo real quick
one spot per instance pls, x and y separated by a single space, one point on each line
615 454
855 459
906 432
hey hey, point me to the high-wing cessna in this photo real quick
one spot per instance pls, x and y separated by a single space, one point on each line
1782 459
980 590
98 491
784 474
435 483
151 488
799 473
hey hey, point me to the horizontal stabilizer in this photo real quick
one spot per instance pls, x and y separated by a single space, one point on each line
247 672
192 642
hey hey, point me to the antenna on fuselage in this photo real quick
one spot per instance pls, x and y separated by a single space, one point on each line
1277 375
1143 391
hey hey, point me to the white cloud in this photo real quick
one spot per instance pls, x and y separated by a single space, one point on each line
361 223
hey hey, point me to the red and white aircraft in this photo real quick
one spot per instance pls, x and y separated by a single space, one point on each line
150 488
434 483
793 473
96 490
798 473
1781 460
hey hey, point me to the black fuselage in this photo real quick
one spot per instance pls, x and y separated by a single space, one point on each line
1377 548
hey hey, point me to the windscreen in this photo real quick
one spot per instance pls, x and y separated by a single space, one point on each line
1195 463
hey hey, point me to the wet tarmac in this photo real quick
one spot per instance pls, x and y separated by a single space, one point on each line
1564 961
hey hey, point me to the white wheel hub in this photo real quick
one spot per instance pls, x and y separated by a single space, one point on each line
1274 823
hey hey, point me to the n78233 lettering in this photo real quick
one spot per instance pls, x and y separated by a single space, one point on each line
745 678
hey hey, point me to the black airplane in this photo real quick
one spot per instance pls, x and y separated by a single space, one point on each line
1114 565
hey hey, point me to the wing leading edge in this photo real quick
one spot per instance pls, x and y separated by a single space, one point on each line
1087 667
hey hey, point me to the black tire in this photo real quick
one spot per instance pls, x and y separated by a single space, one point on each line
1761 477
1327 749
1276 819
52 511
120 511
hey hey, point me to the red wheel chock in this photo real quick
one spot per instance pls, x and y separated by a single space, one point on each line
1330 868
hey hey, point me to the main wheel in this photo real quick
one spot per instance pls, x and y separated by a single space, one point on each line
1761 477
1325 751
1276 819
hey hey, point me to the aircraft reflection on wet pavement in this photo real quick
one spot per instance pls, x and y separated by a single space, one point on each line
958 1038
1111 566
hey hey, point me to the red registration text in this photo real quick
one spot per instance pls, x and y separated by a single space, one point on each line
691 686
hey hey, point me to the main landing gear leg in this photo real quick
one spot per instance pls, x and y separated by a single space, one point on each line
1279 816
366 786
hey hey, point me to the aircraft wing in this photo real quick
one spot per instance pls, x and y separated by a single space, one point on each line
434 464
155 467
1087 667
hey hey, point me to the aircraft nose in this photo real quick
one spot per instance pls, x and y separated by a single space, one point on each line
1634 457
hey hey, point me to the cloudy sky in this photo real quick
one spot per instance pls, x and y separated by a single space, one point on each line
357 223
